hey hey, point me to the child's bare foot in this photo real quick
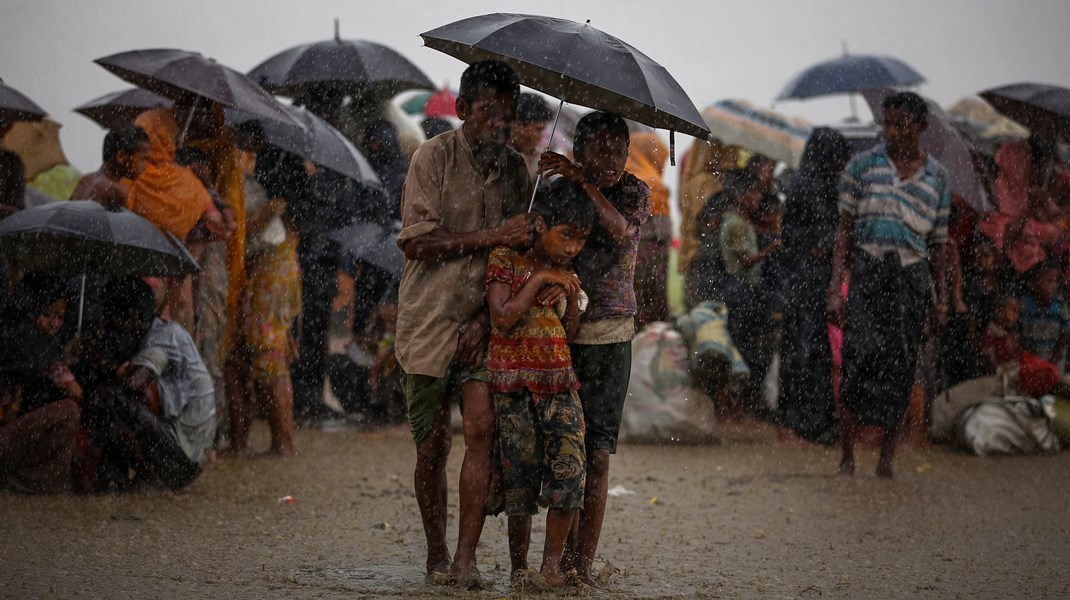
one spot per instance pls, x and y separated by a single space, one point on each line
847 468
554 580
583 577
529 580
439 565
468 578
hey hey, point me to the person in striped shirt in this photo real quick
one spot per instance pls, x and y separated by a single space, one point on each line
894 206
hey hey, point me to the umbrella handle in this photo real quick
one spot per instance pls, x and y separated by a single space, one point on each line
549 142
81 304
189 120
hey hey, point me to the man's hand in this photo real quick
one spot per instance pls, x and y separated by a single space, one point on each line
517 232
473 341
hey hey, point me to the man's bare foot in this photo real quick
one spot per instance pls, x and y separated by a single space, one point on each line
582 577
528 580
847 468
468 578
439 565
554 580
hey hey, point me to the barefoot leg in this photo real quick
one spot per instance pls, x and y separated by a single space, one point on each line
240 414
848 430
888 444
519 541
475 477
278 398
429 481
558 524
594 511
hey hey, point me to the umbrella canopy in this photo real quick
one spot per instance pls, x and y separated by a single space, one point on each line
314 140
738 123
576 63
84 237
948 145
373 244
37 144
356 67
1035 105
15 106
119 109
849 74
177 74
440 103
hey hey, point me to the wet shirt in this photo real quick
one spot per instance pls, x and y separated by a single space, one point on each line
893 214
533 354
737 239
606 269
1042 326
446 189
186 392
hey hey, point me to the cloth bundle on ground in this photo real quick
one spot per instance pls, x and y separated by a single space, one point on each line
714 357
983 416
662 405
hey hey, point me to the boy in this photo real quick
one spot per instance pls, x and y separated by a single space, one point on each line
999 345
1045 317
602 349
465 194
538 412
532 115
125 153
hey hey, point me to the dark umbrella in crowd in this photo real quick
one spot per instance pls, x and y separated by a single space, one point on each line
575 63
355 67
15 106
1035 105
180 74
373 244
119 109
948 145
84 237
850 74
314 140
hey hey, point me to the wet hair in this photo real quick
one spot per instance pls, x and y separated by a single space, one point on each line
1041 147
738 182
35 292
595 122
532 108
826 152
756 161
491 74
122 295
12 179
126 139
187 156
282 174
910 103
563 202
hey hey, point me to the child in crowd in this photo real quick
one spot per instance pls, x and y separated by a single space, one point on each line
539 416
125 153
39 414
999 345
1045 317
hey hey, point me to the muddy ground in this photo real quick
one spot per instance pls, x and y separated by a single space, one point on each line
746 519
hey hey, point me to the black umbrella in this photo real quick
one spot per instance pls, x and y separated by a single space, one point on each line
177 74
1035 105
576 63
119 109
372 243
315 141
15 106
850 74
81 236
355 67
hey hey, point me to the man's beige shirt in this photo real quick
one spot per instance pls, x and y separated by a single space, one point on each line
446 190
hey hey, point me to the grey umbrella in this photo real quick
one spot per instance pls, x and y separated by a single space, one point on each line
314 140
849 74
575 63
355 67
118 109
1035 105
372 243
178 74
81 236
15 106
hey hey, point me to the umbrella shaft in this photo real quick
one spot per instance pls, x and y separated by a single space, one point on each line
549 143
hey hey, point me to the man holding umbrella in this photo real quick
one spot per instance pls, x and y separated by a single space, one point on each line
465 194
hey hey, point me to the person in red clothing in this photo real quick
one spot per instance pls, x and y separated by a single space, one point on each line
999 345
534 299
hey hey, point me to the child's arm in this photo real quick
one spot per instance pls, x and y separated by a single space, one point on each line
571 319
505 311
618 227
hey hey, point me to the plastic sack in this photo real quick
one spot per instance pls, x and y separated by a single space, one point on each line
1011 425
662 406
